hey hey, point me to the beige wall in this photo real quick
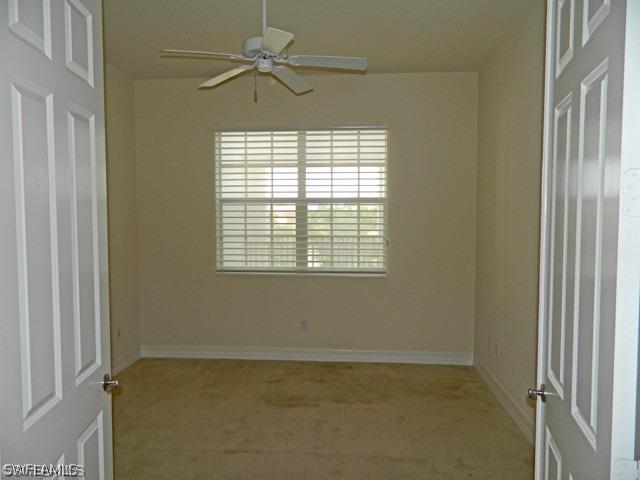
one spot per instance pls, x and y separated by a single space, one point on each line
509 163
123 243
424 304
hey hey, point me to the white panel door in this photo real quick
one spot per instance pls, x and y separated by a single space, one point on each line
54 341
580 236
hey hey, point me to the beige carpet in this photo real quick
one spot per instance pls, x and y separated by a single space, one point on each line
228 420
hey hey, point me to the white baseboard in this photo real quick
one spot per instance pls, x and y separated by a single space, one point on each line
513 408
117 365
307 354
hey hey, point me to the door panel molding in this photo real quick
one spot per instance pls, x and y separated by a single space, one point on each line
95 430
86 271
41 41
35 180
556 347
587 420
82 67
590 23
566 15
553 464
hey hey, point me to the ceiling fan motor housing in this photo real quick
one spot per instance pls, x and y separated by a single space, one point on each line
251 48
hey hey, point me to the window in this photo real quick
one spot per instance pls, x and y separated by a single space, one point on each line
301 201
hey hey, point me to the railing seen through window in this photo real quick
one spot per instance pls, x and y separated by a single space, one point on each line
301 200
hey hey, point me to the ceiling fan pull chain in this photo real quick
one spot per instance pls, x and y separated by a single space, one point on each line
255 86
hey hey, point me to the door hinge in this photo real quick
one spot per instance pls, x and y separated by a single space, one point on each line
630 193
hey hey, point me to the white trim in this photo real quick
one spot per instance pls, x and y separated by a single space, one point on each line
303 273
118 365
625 376
519 416
289 128
307 354
547 155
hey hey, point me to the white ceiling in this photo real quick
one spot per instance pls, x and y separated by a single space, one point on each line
395 35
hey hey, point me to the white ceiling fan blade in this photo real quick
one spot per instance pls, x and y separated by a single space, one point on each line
320 61
198 53
275 40
223 77
292 80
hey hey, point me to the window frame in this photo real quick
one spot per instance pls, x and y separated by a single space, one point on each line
305 271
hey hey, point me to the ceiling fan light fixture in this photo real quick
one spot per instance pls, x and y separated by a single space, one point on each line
264 64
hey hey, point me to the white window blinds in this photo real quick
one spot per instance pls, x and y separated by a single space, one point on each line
301 201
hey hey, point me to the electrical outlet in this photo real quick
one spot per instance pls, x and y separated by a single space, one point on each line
304 326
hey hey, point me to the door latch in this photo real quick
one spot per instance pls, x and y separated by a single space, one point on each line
109 384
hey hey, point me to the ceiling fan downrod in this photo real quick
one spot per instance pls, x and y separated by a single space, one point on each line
264 16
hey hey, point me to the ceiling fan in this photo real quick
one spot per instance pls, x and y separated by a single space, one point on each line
268 54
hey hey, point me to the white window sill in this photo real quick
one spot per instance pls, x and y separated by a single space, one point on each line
301 274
